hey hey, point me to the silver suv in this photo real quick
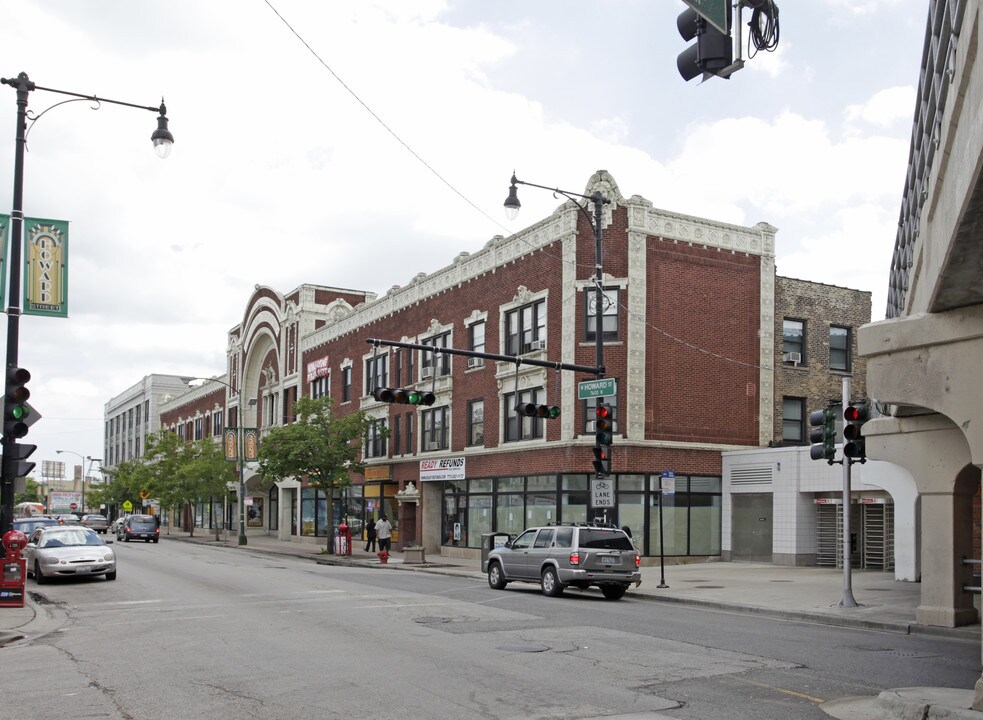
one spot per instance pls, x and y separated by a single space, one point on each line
556 556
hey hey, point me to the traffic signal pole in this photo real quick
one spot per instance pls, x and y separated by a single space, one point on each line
514 359
23 86
847 600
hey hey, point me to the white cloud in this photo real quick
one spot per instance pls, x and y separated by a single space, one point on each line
885 108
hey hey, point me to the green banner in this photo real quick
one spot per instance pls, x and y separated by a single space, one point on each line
4 233
45 267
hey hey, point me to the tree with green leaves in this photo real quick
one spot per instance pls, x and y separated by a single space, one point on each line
204 473
321 447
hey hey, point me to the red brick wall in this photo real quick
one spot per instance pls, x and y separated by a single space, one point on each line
703 344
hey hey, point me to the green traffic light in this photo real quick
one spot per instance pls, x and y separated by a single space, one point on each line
19 412
414 397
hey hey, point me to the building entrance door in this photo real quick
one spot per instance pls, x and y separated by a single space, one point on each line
751 524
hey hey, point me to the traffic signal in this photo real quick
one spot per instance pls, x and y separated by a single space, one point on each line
712 52
548 412
603 434
18 415
854 444
404 396
823 435
18 454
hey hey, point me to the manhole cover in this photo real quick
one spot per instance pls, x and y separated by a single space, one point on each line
709 587
525 648
437 620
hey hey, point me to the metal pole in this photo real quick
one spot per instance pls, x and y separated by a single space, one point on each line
598 201
23 86
847 600
662 545
242 478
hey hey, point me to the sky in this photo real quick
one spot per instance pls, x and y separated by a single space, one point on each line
357 144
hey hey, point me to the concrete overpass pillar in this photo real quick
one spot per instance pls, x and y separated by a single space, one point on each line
936 454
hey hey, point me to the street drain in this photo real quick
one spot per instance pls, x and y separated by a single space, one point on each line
781 581
523 648
709 587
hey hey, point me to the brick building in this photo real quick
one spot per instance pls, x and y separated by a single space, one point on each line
690 334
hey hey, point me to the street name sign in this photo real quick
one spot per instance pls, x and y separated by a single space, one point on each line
596 388
714 11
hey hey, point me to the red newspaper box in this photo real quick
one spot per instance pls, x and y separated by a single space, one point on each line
14 570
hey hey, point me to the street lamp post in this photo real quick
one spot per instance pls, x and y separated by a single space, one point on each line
82 460
162 140
512 206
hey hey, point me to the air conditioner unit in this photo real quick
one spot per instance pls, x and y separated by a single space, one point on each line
537 345
433 446
426 372
475 362
591 425
792 357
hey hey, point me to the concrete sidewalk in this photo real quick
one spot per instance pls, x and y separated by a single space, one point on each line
804 594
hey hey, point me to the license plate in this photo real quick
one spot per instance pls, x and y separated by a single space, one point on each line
609 559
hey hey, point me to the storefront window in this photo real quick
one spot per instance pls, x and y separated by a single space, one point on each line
691 521
479 519
631 513
509 514
540 508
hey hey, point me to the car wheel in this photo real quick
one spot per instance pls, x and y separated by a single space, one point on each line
157 541
614 592
111 575
38 577
551 583
496 577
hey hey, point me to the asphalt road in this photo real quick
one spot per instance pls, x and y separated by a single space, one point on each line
190 631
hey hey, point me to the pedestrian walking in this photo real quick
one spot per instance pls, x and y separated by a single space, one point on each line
370 536
384 533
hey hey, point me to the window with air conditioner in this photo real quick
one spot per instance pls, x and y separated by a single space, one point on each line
793 340
523 326
475 363
439 363
433 429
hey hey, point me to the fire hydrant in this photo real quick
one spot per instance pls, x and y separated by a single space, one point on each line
383 556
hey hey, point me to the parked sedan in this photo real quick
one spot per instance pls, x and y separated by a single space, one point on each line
29 525
139 527
68 550
99 523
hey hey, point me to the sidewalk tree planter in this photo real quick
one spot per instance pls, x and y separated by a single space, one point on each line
414 554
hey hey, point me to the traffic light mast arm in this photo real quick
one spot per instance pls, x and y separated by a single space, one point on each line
515 359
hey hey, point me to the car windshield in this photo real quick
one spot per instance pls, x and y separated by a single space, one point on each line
71 538
605 540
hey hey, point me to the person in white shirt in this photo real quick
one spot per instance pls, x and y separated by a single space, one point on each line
384 533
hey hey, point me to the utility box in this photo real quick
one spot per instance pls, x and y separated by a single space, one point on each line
490 541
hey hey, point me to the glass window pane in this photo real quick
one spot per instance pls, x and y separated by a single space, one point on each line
540 509
509 514
541 482
479 519
704 516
